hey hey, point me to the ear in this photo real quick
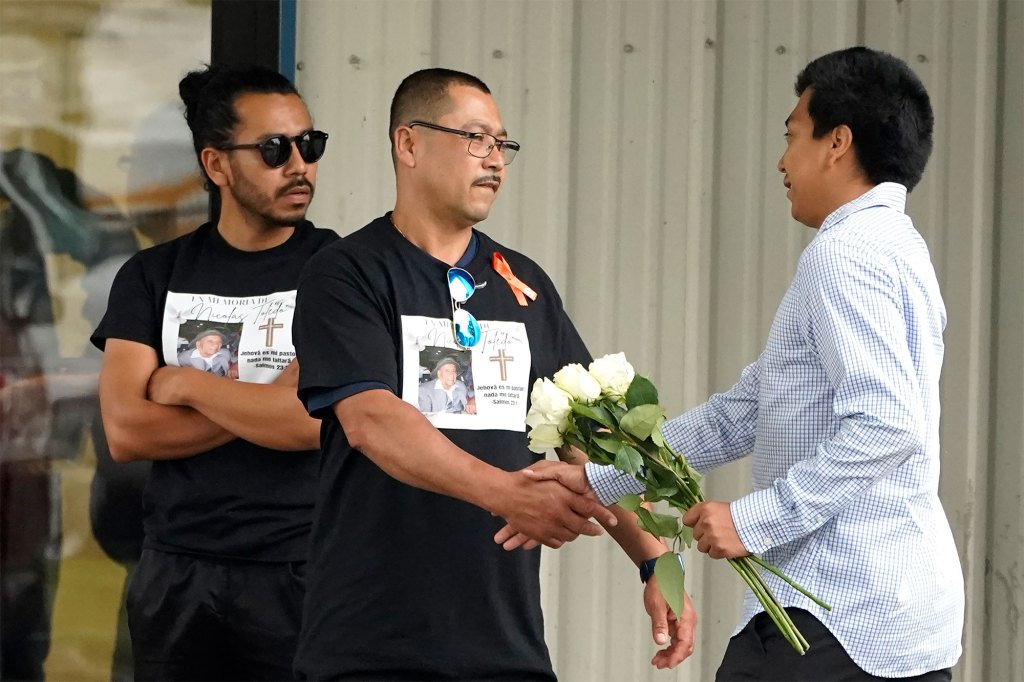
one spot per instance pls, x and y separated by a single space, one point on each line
405 147
215 163
841 149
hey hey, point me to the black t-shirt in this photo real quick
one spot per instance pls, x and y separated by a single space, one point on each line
405 583
239 500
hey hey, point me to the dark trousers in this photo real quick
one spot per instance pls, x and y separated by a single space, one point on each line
760 652
29 562
196 618
122 667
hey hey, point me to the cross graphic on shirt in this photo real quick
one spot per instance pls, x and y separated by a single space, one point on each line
270 327
501 359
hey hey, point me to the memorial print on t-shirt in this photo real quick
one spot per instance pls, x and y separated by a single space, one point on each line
247 338
209 347
484 387
446 381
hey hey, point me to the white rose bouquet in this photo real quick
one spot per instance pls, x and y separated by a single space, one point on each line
612 414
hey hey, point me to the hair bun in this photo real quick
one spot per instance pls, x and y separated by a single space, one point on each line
191 87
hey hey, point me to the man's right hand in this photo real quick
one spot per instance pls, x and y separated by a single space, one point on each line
548 512
551 505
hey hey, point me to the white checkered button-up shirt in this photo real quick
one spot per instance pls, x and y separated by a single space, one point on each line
841 415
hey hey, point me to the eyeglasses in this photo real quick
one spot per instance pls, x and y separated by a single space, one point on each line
275 151
465 328
479 146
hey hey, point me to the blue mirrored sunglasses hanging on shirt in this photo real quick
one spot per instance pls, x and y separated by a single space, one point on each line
465 328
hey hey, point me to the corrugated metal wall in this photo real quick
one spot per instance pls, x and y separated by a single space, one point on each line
647 188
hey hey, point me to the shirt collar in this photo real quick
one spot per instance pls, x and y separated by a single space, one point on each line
471 250
197 354
889 194
440 387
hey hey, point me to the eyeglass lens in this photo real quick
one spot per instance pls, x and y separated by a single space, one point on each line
465 328
481 145
276 150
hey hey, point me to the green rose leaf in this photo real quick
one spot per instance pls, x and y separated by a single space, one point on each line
659 477
659 525
641 420
686 536
642 521
656 436
609 445
615 408
630 502
641 392
595 412
627 459
671 575
571 438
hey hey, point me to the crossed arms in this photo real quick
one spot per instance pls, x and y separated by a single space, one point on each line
153 412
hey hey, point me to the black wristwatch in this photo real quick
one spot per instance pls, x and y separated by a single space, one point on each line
647 569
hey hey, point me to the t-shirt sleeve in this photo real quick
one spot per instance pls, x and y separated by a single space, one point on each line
341 330
131 312
573 348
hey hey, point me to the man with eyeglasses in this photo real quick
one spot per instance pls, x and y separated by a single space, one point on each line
405 580
218 591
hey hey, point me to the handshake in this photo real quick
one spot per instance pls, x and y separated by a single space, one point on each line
552 503
549 503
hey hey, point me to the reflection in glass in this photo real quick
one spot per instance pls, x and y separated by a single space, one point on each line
95 163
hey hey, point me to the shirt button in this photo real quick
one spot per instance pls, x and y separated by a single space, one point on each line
767 542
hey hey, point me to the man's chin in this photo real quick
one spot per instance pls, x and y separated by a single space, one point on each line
287 219
478 214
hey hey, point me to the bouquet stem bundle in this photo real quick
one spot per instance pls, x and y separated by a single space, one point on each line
612 414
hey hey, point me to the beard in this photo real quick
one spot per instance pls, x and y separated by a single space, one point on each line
263 204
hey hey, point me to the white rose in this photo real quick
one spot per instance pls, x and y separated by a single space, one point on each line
578 383
544 437
548 405
613 373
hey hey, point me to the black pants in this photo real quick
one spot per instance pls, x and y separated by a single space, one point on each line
29 541
760 652
194 618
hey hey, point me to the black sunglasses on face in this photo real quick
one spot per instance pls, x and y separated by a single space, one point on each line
275 151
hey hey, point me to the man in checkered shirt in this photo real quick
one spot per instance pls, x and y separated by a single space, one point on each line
841 410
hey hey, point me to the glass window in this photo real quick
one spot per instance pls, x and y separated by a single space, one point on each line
97 162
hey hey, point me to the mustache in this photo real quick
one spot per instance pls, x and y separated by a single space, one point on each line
487 178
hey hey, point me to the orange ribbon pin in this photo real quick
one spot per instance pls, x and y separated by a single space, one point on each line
519 287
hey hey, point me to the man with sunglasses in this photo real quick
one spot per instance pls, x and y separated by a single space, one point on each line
218 591
405 580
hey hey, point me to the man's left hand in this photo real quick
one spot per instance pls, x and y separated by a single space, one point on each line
666 628
714 530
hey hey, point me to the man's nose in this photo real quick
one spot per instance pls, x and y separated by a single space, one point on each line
295 163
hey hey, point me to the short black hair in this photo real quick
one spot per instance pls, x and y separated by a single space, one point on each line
210 95
884 104
423 95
